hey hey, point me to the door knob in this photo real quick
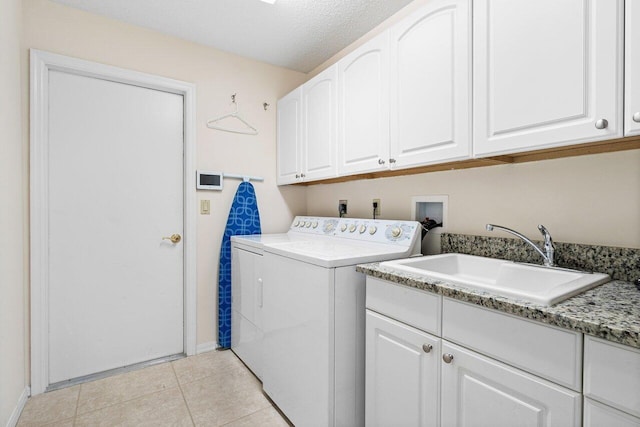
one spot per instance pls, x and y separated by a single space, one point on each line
175 238
602 124
636 117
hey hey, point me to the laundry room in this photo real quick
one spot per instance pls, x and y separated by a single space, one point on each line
136 142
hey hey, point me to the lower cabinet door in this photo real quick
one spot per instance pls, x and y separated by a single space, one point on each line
479 391
597 414
402 374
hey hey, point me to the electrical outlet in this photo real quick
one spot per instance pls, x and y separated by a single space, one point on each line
342 207
376 207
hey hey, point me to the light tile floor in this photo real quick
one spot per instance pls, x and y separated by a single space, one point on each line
211 389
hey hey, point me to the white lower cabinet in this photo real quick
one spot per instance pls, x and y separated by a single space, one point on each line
597 414
479 391
402 374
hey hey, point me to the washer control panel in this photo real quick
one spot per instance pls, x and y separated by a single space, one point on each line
367 230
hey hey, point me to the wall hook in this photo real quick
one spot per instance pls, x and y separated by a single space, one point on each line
266 106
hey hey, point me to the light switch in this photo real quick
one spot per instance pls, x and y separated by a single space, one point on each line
205 207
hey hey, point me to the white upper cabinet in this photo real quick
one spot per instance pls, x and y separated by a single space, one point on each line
289 143
319 104
363 108
547 73
431 85
632 71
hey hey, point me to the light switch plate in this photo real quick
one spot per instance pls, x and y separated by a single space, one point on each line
205 207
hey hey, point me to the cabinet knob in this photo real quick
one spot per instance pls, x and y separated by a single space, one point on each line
427 348
302 175
447 357
392 160
602 124
636 117
297 175
380 162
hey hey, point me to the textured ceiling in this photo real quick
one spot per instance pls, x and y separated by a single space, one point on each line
295 34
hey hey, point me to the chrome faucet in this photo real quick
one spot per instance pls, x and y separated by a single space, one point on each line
549 250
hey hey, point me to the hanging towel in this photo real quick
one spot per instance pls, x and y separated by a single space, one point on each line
244 219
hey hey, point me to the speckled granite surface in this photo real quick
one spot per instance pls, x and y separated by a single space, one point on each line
619 263
610 311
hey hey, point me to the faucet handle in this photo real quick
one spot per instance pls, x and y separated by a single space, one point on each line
548 241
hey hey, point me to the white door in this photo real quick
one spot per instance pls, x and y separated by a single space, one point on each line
402 374
431 85
632 70
546 73
115 183
319 128
363 108
289 122
478 391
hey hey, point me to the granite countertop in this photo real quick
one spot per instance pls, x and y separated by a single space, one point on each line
610 311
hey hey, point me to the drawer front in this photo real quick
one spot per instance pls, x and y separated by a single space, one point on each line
414 307
612 374
546 351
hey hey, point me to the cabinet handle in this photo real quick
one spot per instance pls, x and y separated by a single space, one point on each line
447 357
602 124
427 348
392 160
380 162
636 117
260 292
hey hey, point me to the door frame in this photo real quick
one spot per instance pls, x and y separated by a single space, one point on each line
41 64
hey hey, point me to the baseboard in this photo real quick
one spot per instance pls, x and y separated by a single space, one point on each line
15 416
207 346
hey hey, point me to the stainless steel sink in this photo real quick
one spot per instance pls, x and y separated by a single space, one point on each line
537 284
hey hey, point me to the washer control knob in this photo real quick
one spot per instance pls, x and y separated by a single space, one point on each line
297 223
352 228
362 228
302 223
315 224
396 231
328 227
373 229
308 224
343 227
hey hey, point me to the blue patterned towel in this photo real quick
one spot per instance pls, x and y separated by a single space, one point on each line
244 219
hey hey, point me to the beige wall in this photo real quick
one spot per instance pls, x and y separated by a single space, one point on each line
12 289
591 199
52 27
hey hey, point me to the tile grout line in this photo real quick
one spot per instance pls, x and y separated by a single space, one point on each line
75 416
184 399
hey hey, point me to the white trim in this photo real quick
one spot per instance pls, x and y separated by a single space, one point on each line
206 346
41 64
17 411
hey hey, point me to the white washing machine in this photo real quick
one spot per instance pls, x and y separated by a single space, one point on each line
313 315
246 282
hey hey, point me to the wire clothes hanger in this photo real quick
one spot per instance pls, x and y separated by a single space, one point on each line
213 123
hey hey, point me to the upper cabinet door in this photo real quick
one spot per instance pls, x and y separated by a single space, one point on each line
431 85
363 108
632 72
289 137
547 73
319 98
